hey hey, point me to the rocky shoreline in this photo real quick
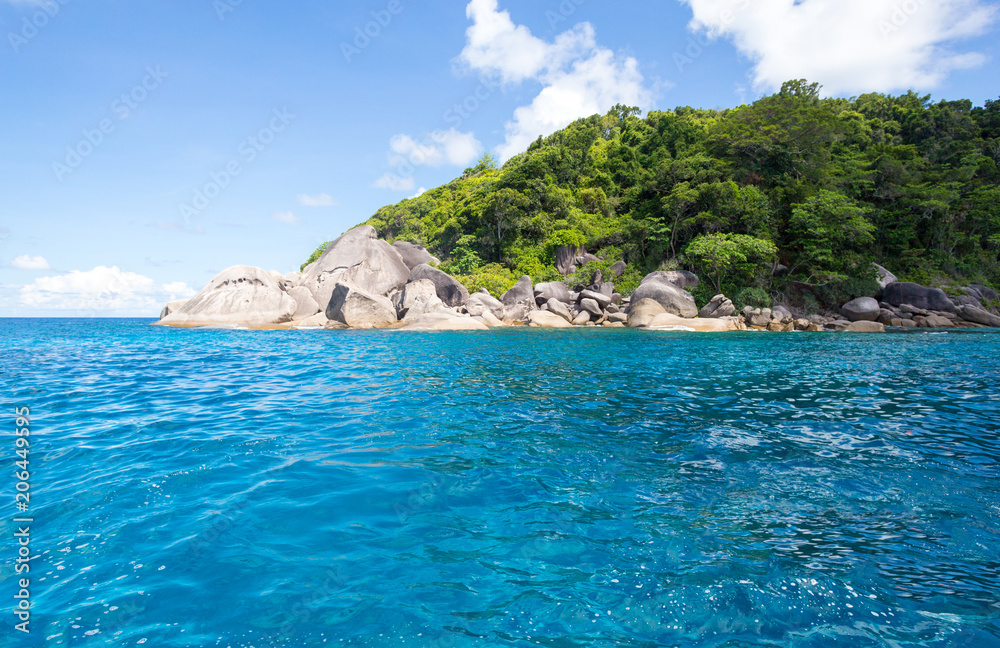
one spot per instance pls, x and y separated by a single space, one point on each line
363 282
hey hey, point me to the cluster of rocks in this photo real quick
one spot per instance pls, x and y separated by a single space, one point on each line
363 282
780 319
360 281
898 305
909 305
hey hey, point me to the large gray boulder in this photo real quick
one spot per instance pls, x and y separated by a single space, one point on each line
552 290
866 326
986 295
602 300
883 276
481 302
781 315
591 306
559 308
173 306
306 304
643 311
519 301
669 322
673 299
279 278
418 298
358 258
413 254
899 293
863 309
565 257
444 321
449 290
545 319
292 278
759 319
933 321
966 300
489 320
359 308
240 295
979 316
318 320
618 269
719 306
679 278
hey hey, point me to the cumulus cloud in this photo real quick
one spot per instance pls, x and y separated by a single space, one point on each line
420 192
102 289
395 182
26 262
286 217
847 45
319 200
579 77
440 147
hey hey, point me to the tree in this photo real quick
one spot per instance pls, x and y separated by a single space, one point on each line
781 138
730 260
829 232
504 213
487 162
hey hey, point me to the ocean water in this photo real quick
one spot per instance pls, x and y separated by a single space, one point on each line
512 488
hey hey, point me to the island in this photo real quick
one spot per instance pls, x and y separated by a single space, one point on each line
783 215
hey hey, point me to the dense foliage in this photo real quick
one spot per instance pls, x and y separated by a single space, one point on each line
790 190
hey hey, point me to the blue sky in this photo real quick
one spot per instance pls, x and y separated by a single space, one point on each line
147 146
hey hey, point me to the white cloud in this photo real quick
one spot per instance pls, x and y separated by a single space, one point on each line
592 86
420 192
847 45
440 147
25 262
286 217
102 289
495 45
319 200
395 182
580 77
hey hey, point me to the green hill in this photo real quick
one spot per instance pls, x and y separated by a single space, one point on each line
790 190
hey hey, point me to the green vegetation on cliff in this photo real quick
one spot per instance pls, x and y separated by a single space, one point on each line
792 189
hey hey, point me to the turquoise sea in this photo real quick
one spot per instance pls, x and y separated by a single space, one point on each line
510 488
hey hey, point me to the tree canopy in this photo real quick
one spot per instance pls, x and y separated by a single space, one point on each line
808 190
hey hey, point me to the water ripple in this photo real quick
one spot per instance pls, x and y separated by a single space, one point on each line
559 488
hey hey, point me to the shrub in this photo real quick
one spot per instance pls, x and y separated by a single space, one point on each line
560 238
729 260
493 277
756 297
315 255
464 259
